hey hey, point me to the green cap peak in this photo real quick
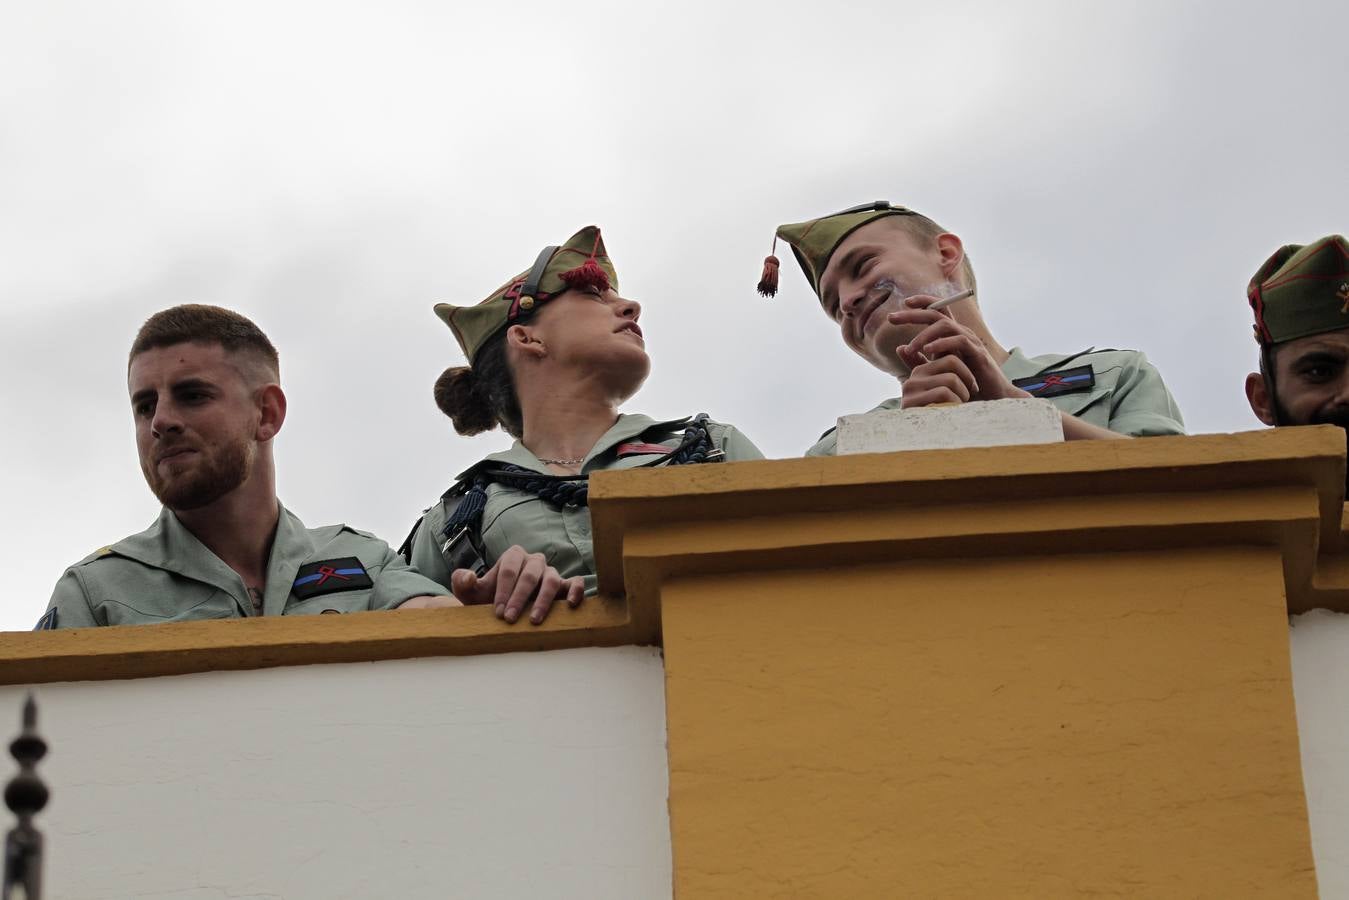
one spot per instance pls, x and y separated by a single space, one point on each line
1301 290
580 262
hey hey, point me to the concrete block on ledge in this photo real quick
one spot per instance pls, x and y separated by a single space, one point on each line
989 423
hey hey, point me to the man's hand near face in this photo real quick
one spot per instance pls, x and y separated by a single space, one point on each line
949 364
947 361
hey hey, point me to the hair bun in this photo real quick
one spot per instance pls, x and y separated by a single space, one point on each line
460 397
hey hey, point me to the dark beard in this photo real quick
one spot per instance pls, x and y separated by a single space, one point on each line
1340 417
224 473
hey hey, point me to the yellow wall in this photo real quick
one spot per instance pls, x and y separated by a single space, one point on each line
1095 724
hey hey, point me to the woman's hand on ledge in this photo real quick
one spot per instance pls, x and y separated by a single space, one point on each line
517 578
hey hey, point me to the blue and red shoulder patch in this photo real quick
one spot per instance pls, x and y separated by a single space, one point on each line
1064 381
330 576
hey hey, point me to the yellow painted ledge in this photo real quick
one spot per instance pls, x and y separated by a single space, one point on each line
1279 487
140 651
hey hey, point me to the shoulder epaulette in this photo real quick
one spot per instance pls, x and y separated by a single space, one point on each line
365 534
100 553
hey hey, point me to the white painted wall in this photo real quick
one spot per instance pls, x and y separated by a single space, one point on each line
1320 643
526 775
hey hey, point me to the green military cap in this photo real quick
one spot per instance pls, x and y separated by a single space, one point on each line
813 242
580 262
1301 290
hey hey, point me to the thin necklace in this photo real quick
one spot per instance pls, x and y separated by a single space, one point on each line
563 462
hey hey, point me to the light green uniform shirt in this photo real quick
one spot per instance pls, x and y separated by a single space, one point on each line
563 534
164 574
1128 396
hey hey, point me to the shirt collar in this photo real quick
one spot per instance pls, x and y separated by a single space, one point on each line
291 548
1018 365
628 426
168 545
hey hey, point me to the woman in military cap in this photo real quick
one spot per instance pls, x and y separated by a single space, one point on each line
552 355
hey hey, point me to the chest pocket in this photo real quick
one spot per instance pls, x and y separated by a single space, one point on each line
516 517
163 606
342 602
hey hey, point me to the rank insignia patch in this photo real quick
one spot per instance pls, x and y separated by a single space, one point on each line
1064 381
47 622
637 449
330 576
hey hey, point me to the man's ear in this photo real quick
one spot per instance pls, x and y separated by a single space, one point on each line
1257 394
952 251
271 402
523 340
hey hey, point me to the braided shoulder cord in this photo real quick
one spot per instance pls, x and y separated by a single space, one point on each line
696 446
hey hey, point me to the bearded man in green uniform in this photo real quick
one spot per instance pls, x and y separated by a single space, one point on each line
1300 298
877 268
207 404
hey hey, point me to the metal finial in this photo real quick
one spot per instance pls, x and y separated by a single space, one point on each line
25 795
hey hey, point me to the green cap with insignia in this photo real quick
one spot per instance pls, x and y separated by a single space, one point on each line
1301 290
815 241
579 263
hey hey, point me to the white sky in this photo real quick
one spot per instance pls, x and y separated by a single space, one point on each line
333 169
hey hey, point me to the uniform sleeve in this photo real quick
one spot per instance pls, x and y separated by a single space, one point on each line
736 446
1142 406
426 557
69 606
826 445
398 582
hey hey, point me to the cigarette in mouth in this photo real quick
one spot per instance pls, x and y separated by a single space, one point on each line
947 301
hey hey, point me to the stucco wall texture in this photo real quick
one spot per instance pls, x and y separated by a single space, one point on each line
1320 645
1117 724
519 775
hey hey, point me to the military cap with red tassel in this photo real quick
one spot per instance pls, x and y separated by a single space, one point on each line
814 241
555 270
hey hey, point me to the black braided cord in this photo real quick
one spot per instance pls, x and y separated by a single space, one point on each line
572 491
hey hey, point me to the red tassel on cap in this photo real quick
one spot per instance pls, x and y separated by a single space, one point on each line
768 281
588 274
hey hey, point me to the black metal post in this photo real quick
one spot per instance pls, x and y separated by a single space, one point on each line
25 795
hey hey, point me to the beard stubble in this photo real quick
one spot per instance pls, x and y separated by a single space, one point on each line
216 474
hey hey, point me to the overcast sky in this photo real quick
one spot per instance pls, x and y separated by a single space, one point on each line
1117 170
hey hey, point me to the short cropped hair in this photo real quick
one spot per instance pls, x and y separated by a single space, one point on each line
198 323
926 232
